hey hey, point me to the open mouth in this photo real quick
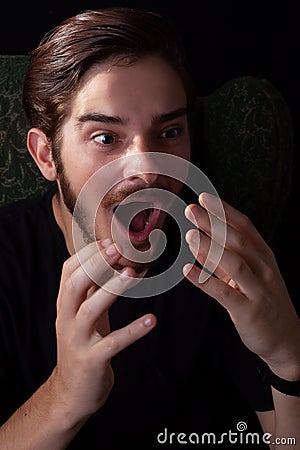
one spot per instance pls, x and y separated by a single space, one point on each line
139 218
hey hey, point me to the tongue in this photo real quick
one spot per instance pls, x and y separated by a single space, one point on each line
138 223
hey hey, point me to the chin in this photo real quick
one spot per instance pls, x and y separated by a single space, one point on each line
140 269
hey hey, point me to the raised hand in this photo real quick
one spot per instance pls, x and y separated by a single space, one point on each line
248 283
83 377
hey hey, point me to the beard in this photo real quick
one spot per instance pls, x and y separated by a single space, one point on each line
83 218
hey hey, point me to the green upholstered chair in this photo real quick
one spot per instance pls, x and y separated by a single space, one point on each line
242 140
19 175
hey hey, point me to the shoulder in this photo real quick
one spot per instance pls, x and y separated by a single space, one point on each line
13 213
23 225
32 250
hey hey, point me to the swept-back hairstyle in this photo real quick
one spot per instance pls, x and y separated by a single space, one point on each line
65 53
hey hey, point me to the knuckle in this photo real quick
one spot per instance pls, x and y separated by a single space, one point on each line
68 266
245 221
241 240
57 324
69 284
86 309
94 261
131 331
224 291
270 254
238 267
268 275
111 343
59 328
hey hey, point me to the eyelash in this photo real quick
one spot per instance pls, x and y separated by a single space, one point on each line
114 136
178 130
111 135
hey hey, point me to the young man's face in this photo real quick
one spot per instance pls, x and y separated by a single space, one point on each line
121 111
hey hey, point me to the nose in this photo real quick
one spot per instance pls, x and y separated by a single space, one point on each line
140 165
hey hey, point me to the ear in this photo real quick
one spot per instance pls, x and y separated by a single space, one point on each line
41 151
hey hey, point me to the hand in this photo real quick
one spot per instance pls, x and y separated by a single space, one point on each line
83 377
248 283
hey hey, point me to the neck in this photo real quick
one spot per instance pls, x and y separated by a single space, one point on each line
64 220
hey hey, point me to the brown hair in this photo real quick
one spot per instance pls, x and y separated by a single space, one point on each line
65 53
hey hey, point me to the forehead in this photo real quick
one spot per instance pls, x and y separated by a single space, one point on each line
147 84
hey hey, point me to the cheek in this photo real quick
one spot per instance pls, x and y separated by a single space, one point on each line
79 173
103 218
183 149
96 174
176 186
186 149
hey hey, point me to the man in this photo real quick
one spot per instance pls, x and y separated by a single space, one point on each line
82 365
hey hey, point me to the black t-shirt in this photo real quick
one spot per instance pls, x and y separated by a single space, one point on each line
191 374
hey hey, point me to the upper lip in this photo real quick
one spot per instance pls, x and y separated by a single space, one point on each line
148 205
149 201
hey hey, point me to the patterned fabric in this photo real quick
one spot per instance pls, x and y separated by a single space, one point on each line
242 140
19 175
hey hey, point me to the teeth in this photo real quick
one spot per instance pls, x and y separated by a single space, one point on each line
148 203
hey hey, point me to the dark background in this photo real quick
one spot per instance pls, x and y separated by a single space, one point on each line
224 39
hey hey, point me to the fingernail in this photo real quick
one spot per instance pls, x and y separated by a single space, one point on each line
125 274
188 269
111 250
191 211
188 212
196 212
106 242
148 322
202 198
195 237
205 198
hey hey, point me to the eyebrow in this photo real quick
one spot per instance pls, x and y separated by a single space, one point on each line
161 118
117 120
102 118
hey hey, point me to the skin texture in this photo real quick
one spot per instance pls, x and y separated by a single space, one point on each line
83 378
247 283
137 131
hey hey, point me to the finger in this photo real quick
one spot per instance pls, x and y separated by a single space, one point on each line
200 246
75 285
224 234
118 340
84 254
227 296
231 267
213 226
103 325
89 314
72 264
235 219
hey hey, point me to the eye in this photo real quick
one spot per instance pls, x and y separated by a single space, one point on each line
105 138
171 133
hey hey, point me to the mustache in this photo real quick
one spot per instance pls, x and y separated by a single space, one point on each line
118 196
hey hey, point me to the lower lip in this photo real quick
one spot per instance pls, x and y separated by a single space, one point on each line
141 236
